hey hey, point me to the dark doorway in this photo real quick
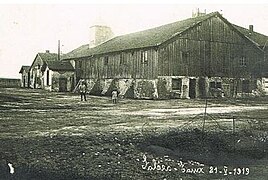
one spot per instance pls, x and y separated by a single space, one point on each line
47 77
245 86
72 83
202 87
35 79
192 88
29 79
24 81
62 85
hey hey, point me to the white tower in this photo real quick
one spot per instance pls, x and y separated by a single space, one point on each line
99 33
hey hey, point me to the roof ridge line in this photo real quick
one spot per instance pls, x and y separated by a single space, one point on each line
177 33
209 15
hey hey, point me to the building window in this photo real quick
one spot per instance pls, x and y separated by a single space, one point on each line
218 85
185 57
144 57
176 84
121 59
106 59
214 84
242 61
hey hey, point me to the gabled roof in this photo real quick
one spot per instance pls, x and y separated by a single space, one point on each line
258 38
156 36
24 68
58 66
46 57
147 38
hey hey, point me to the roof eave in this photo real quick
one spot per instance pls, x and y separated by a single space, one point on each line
110 52
62 70
34 61
256 45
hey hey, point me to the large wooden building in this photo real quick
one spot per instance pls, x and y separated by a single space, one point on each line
196 57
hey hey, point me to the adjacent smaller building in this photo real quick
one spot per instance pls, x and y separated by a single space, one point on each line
48 72
58 76
25 76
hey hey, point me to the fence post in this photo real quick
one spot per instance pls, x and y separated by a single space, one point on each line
233 124
234 133
204 115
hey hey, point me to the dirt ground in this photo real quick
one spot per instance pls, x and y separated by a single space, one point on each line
48 135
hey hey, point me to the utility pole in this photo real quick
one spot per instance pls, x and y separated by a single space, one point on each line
205 115
233 124
58 50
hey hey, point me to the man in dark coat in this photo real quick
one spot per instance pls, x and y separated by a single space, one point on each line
83 90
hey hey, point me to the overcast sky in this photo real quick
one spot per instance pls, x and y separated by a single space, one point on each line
28 29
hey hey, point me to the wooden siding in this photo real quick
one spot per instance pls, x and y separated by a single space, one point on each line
210 49
126 64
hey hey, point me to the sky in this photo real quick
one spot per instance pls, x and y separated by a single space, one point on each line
27 29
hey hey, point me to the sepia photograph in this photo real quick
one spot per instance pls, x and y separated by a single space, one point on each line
136 91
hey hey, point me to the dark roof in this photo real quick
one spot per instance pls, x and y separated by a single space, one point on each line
156 36
147 38
58 66
258 38
48 56
24 68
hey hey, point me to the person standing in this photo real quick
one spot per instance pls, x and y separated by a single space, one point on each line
114 96
83 89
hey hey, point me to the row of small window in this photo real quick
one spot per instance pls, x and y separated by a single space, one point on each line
245 85
214 84
177 84
144 58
